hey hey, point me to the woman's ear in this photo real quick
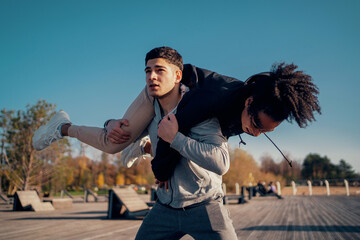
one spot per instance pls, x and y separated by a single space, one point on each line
248 101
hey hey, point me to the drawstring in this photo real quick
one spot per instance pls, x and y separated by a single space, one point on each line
279 150
241 141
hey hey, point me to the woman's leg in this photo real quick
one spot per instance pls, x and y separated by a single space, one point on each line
139 115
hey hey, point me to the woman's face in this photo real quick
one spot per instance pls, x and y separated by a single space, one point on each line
255 125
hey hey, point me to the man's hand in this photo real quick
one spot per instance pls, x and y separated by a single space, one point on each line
168 128
147 148
115 133
161 184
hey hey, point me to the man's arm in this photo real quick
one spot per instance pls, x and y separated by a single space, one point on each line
209 152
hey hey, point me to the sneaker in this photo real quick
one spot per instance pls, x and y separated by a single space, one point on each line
134 152
49 132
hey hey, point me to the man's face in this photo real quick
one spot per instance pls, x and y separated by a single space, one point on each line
161 77
255 125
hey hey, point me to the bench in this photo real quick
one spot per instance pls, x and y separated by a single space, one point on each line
30 201
125 203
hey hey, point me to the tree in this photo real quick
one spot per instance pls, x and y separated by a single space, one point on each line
317 167
62 176
268 165
25 167
100 180
83 175
142 168
344 170
120 179
290 173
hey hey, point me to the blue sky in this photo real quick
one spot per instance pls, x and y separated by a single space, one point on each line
87 57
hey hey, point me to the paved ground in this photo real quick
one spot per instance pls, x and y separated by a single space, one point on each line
295 217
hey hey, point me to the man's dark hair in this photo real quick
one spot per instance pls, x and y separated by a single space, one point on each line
284 93
167 53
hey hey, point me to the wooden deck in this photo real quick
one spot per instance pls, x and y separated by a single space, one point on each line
295 217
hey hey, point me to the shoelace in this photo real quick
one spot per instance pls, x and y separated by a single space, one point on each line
51 139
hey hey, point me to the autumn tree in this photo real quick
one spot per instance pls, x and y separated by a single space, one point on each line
63 175
25 167
139 173
100 180
245 171
107 168
83 176
268 165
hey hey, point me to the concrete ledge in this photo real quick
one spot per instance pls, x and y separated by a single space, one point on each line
62 203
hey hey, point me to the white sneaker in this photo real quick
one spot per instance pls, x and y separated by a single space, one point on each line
134 152
49 132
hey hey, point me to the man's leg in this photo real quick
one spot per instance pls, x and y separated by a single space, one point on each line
161 223
209 221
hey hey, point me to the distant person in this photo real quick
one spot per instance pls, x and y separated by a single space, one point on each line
272 190
260 188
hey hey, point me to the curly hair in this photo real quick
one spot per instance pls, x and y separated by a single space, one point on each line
284 93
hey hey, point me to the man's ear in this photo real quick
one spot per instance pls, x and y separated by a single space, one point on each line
178 76
248 101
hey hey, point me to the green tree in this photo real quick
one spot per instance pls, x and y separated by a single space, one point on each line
24 166
344 170
317 167
62 176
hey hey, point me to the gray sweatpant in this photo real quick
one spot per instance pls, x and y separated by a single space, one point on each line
139 114
207 221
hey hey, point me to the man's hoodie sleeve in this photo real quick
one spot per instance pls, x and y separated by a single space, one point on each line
210 152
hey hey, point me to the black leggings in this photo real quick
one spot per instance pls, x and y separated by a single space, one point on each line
213 95
196 106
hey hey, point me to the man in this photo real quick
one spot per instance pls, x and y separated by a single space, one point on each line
283 93
192 202
256 107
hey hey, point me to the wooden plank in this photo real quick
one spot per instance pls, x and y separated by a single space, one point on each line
299 217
